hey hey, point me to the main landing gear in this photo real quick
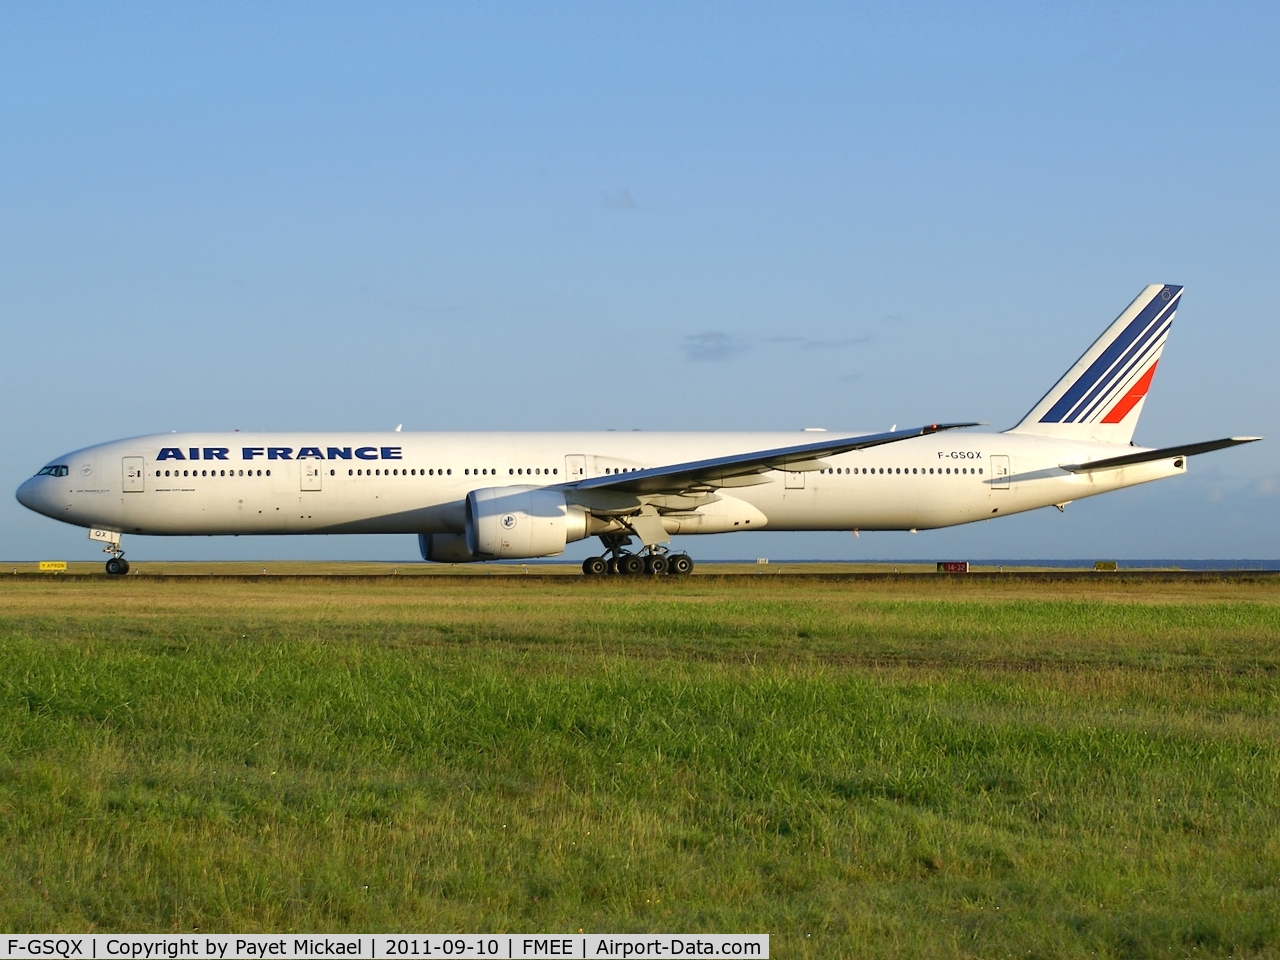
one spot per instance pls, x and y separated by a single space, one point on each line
654 561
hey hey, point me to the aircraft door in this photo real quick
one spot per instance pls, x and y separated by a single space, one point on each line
794 481
312 471
575 467
133 475
999 473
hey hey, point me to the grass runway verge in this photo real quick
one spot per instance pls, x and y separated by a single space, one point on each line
934 768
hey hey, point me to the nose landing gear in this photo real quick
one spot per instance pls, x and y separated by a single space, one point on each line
117 566
654 561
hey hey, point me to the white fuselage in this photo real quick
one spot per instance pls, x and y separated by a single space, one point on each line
297 483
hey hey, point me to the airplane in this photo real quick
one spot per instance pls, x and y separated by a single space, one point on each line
501 496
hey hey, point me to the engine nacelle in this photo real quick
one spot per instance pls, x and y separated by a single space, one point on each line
513 523
445 548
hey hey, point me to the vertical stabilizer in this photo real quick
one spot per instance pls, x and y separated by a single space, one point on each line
1101 397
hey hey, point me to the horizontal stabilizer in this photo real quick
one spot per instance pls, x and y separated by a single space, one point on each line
1164 453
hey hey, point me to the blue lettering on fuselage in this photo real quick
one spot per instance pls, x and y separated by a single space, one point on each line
284 453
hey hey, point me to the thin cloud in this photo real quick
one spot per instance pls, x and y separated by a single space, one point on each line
835 344
618 200
712 345
805 343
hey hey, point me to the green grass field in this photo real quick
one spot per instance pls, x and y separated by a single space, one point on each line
929 768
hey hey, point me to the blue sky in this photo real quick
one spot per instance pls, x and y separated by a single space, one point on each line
662 216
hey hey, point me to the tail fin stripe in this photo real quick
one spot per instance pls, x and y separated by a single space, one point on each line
1145 319
1136 393
1108 367
1151 339
1106 390
1122 382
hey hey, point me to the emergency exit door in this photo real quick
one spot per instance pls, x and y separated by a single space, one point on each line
794 480
1000 473
312 471
575 467
133 475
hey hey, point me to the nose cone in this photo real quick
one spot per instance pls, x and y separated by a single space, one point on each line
34 495
27 494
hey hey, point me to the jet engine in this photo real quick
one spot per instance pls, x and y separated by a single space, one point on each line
514 523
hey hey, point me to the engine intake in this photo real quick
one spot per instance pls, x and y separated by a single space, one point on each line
514 523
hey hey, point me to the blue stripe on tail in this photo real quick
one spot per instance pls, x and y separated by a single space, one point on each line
1097 370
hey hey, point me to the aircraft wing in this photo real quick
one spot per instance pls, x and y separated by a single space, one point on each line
722 471
1164 453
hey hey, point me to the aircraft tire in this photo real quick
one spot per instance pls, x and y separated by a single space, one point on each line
595 566
630 564
655 564
116 567
611 565
680 564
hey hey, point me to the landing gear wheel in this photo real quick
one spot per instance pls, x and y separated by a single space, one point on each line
680 564
611 565
117 567
595 566
655 564
630 564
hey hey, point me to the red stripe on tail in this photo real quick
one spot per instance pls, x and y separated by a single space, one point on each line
1130 400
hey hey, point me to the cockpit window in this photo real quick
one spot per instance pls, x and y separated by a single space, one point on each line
58 471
